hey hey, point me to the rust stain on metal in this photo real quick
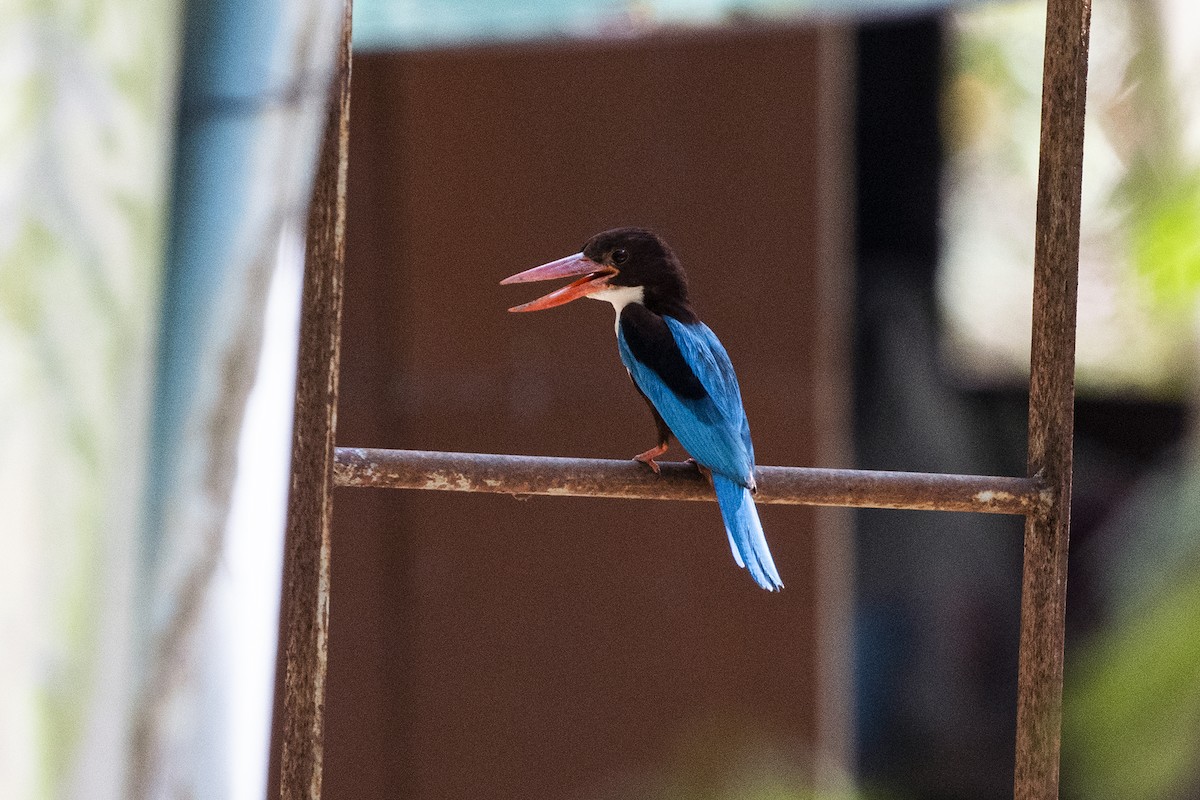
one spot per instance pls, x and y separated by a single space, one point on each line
582 477
305 601
1051 400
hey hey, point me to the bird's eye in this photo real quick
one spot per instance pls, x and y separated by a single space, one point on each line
620 256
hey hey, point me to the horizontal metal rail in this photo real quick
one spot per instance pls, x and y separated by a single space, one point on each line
590 477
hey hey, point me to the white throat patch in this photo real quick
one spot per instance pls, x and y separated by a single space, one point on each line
621 296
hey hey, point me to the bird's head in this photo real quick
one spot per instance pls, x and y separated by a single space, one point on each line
620 266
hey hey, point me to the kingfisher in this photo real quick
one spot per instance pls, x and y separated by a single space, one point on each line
679 367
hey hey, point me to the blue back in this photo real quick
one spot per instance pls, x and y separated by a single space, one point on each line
712 429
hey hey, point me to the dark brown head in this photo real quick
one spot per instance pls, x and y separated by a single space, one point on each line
633 258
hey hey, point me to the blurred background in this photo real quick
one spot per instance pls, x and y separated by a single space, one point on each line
851 186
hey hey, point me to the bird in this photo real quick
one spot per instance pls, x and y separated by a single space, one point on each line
677 365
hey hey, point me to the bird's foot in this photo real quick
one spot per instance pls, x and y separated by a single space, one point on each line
648 457
703 470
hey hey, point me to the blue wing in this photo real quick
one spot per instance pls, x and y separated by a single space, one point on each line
693 386
710 424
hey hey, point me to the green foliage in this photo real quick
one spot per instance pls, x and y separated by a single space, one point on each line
724 756
1132 694
1165 243
20 297
84 146
1139 258
1132 716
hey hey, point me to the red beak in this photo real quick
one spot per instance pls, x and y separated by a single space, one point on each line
595 277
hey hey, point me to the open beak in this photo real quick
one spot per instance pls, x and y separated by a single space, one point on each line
595 277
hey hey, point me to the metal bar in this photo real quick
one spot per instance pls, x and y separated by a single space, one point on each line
586 477
305 602
1051 399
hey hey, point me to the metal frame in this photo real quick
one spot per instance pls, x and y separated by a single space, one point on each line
1043 496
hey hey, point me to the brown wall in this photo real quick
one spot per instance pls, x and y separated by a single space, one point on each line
482 646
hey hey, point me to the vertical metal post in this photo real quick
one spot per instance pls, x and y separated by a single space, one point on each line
1051 399
305 604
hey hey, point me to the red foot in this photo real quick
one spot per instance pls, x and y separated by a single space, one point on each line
705 471
648 457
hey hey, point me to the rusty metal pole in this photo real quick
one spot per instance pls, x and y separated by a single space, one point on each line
590 477
305 602
1051 399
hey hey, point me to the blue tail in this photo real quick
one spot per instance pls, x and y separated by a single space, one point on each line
746 537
